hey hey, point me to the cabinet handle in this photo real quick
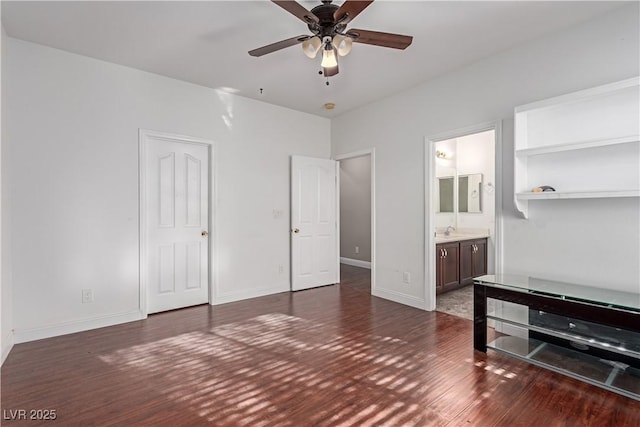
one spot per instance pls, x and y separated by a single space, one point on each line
446 253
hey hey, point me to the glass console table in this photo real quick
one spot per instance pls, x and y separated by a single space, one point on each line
587 333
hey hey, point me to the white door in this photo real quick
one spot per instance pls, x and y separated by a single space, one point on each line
314 238
177 224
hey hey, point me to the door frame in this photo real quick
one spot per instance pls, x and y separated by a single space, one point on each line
146 137
361 153
429 217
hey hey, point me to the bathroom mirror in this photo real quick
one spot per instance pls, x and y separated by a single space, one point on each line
470 193
445 194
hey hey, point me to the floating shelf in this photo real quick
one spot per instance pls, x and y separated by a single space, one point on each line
536 151
553 138
553 195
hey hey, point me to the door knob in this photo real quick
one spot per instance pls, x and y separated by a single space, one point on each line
296 230
204 233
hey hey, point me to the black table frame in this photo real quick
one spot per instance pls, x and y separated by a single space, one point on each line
602 314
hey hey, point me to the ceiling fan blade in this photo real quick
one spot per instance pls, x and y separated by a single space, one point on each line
396 41
278 45
330 71
350 8
296 9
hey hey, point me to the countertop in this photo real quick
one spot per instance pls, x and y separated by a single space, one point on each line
457 237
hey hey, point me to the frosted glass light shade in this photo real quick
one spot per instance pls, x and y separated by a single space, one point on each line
311 46
329 59
342 44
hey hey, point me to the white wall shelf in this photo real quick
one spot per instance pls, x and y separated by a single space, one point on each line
584 144
548 195
536 151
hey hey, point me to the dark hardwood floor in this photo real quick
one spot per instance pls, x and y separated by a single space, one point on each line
328 356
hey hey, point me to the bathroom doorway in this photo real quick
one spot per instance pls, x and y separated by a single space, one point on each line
462 215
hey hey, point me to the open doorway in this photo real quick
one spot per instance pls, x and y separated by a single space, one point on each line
357 224
462 218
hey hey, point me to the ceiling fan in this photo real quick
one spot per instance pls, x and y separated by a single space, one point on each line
328 23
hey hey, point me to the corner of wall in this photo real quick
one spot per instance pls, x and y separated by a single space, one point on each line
6 294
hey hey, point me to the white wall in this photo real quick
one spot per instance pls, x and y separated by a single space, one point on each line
470 154
587 241
445 168
476 154
355 208
72 127
6 308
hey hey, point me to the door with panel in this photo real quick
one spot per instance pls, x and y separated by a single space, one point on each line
314 223
177 224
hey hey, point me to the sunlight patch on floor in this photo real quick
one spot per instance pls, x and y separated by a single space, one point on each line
238 374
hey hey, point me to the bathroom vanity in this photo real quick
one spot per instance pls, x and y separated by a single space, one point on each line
459 258
587 333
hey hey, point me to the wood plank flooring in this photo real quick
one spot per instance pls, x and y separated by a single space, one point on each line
332 356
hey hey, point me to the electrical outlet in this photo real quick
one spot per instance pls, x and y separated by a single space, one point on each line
280 269
406 277
87 296
357 249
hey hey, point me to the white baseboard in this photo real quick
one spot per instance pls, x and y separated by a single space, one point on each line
355 262
253 293
7 345
32 334
401 298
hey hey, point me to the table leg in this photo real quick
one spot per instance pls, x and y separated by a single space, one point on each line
479 318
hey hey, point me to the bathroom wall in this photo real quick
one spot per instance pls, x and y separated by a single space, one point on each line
355 208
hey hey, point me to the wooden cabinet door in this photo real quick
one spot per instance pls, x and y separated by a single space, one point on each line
450 264
473 260
439 256
467 261
479 266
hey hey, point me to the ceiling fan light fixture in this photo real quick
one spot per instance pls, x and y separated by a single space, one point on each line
342 44
328 25
311 46
329 59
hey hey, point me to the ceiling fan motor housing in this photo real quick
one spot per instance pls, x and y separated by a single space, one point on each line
326 25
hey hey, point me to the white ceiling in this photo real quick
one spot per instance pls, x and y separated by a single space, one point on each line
207 42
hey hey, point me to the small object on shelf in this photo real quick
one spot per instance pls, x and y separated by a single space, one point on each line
543 188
